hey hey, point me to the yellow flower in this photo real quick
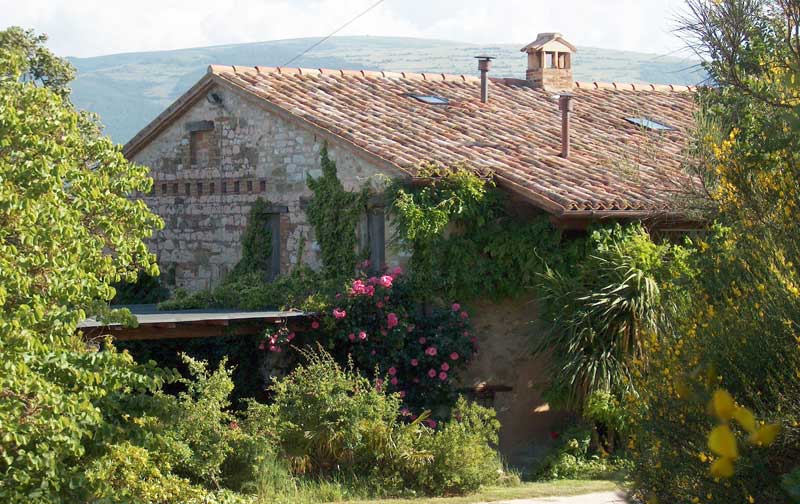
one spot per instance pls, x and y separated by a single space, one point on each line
703 458
750 499
723 404
722 442
745 418
765 435
722 468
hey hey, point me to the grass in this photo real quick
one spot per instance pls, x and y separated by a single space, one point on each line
523 491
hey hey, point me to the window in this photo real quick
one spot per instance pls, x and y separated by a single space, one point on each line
199 147
236 187
163 189
188 188
550 59
211 188
175 189
249 186
224 188
430 99
649 124
274 224
262 186
199 188
376 238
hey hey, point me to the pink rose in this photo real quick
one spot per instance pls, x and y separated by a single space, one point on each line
423 340
372 280
392 371
351 337
378 384
373 352
464 315
339 313
431 423
315 325
402 393
431 351
358 287
273 348
261 346
393 380
362 335
379 304
391 320
456 306
410 327
443 376
431 373
454 356
414 362
466 334
369 290
445 366
290 336
405 411
386 281
415 380
397 271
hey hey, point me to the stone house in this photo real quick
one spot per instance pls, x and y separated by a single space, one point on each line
577 151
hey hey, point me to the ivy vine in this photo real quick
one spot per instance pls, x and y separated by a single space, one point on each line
256 243
465 241
334 213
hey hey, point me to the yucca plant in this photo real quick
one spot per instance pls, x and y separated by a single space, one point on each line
602 314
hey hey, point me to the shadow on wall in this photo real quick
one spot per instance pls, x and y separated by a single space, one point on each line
504 332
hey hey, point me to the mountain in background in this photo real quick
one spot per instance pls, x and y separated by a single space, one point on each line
129 90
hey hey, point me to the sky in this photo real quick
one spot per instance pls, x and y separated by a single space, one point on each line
96 27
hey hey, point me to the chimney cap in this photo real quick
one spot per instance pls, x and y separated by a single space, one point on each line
549 41
485 57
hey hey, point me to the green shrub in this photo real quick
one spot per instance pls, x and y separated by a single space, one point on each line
574 458
333 424
128 473
462 455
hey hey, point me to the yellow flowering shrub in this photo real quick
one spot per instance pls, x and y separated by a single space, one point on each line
717 420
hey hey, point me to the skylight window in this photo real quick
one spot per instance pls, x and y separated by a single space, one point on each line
430 99
649 124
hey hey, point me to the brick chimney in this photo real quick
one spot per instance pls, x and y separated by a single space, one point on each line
550 62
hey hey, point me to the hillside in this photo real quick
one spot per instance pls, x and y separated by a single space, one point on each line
128 90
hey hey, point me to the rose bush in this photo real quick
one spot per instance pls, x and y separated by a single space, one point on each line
415 351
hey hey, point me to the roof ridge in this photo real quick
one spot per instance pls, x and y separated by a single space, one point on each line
427 76
430 76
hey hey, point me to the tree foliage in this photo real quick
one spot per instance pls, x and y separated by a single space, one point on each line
67 231
740 337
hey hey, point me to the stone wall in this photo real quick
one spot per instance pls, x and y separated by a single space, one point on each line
247 152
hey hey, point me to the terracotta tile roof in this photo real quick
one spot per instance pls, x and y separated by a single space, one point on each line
615 167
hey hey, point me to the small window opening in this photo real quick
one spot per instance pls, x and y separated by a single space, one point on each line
224 188
188 188
550 59
199 188
430 99
650 124
175 189
262 186
164 189
211 188
236 187
249 186
199 147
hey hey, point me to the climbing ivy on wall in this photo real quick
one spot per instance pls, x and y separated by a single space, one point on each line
465 241
334 213
256 243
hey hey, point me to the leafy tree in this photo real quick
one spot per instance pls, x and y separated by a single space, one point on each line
67 231
741 334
